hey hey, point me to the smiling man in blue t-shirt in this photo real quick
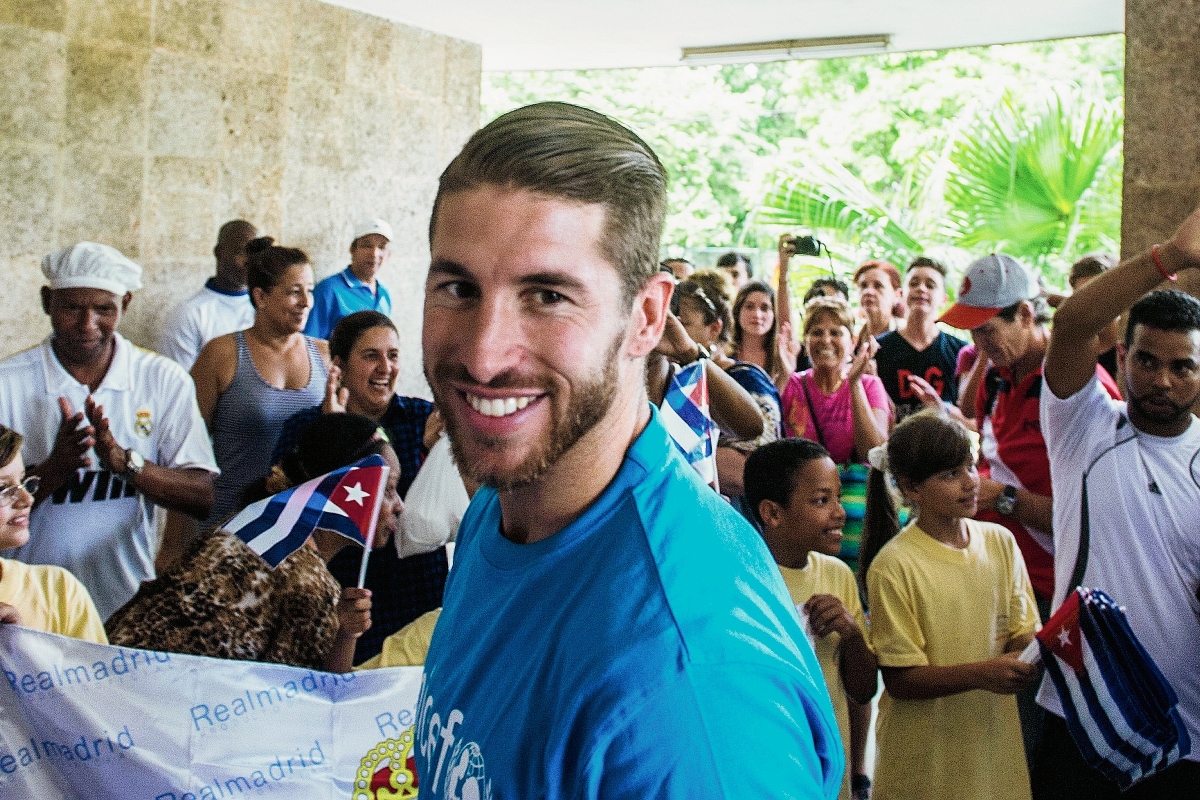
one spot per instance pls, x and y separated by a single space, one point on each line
611 628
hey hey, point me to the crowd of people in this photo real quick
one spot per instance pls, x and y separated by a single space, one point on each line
910 504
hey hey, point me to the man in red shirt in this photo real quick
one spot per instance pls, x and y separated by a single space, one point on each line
1001 303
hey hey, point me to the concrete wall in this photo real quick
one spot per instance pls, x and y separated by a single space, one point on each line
1162 123
145 124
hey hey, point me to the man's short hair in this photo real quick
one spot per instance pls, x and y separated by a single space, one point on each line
732 259
928 263
1042 313
1169 310
565 151
770 471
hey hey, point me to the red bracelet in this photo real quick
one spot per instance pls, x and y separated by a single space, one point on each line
1158 263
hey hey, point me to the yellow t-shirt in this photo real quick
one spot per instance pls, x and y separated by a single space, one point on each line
406 647
939 606
827 575
50 599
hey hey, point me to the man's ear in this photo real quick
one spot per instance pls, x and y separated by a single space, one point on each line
125 301
47 295
649 315
1122 354
770 512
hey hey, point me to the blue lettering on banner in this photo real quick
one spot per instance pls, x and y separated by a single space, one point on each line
391 728
80 674
85 749
278 770
258 700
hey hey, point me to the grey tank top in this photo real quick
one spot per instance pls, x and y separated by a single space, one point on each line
247 421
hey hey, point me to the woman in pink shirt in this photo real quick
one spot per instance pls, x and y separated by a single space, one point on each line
836 403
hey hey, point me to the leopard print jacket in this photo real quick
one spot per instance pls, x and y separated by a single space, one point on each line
221 600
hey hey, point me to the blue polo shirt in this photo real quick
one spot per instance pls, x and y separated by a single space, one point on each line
340 295
648 649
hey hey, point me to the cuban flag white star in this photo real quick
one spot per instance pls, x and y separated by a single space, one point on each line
1064 637
355 494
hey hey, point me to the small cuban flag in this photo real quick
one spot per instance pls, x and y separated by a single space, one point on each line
345 501
684 413
1119 708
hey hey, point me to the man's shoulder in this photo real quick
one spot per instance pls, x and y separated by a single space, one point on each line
149 364
21 361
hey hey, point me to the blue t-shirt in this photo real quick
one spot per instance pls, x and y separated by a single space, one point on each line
341 295
647 650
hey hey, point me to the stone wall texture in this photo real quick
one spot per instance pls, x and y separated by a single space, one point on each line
146 124
1162 123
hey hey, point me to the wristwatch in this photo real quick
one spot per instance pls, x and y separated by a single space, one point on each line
134 462
1006 503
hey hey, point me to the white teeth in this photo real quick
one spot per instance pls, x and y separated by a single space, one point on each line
499 407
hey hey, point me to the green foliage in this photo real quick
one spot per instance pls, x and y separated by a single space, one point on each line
879 127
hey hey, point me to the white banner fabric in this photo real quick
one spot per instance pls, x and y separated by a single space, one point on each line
82 720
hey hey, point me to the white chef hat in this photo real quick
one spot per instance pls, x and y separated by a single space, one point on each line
88 265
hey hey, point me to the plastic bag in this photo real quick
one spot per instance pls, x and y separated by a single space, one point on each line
434 505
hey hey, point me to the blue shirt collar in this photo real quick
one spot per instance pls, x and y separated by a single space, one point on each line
211 285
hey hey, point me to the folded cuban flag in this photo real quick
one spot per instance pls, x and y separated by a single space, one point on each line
685 415
1119 708
345 501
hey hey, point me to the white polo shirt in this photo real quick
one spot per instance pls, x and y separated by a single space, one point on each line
96 526
204 316
1143 506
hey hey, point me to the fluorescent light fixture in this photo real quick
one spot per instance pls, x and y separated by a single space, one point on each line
787 49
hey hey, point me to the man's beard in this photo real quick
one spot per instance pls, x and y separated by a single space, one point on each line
1154 416
588 405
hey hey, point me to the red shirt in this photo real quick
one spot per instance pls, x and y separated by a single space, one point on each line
1014 452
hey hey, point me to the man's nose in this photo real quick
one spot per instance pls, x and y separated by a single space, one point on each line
492 340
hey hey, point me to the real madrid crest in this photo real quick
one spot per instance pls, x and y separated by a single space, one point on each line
388 772
143 424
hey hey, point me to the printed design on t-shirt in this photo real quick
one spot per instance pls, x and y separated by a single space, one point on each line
455 769
143 423
1194 468
388 771
933 376
93 486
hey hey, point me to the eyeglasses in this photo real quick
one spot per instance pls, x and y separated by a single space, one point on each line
9 494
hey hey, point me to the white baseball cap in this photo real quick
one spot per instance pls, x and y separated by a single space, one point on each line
365 227
990 285
89 265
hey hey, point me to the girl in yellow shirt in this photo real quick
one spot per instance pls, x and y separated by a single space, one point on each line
38 596
951 608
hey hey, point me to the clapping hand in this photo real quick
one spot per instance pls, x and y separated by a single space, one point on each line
827 614
864 359
336 395
71 445
111 454
924 392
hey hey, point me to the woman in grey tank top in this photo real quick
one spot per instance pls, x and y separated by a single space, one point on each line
248 383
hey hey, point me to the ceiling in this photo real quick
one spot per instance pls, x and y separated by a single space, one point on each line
570 34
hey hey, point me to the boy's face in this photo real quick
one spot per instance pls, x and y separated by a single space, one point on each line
813 517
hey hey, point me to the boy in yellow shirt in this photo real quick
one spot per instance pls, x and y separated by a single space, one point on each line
951 609
37 596
792 487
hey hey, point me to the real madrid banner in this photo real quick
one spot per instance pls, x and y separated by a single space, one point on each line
82 720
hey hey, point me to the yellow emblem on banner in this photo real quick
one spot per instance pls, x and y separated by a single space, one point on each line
388 772
143 423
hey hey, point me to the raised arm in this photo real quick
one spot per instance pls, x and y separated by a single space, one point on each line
783 297
1071 355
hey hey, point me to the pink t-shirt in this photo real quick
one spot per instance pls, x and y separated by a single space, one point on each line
834 412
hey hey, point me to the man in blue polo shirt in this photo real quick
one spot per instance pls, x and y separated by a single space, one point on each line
356 288
612 628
